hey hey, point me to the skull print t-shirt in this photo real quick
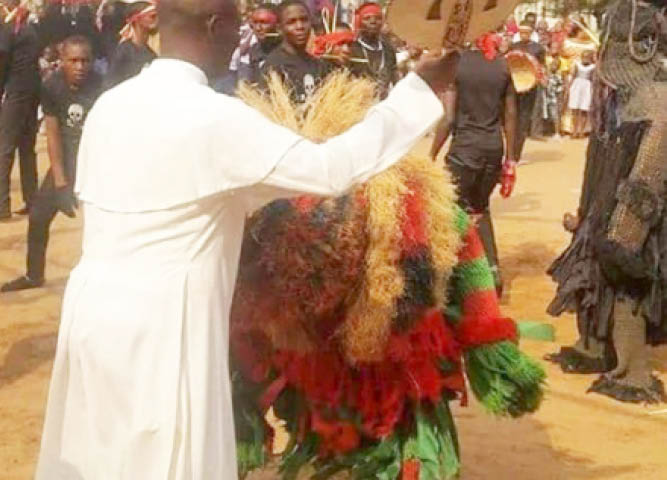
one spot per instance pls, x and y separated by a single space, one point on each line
303 73
70 107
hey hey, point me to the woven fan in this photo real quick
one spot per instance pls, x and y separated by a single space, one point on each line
434 24
525 70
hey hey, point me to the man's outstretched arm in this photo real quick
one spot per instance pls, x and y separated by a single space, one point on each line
387 133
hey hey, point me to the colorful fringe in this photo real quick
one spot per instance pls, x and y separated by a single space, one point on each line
356 319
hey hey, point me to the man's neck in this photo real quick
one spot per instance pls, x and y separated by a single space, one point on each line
370 39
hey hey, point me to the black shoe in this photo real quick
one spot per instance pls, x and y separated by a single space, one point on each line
24 211
21 283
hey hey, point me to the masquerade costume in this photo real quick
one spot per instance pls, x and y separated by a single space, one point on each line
613 273
352 316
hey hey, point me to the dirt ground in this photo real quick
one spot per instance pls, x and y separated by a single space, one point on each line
575 436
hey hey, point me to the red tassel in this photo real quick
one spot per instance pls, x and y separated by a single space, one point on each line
410 470
413 221
337 437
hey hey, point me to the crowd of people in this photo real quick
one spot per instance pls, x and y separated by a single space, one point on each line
567 52
167 241
66 56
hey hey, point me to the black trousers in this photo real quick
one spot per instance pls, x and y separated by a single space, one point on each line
18 131
42 212
475 185
525 107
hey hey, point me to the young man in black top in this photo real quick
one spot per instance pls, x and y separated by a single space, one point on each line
377 54
67 97
526 100
479 109
133 53
264 22
20 48
290 59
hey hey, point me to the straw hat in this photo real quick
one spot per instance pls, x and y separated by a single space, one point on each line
524 69
436 23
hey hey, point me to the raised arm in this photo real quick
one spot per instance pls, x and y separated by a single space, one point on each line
387 133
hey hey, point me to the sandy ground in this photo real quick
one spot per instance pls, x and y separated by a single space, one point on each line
574 436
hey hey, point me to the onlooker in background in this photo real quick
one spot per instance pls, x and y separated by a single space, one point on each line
300 70
543 35
511 27
62 19
377 53
577 42
553 97
558 33
480 110
529 19
504 45
20 49
133 52
66 99
581 93
49 62
264 23
526 100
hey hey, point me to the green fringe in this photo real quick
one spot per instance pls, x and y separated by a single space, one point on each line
434 443
431 439
379 461
250 452
504 380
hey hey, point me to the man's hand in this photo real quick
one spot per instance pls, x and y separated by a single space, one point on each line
508 178
65 201
438 72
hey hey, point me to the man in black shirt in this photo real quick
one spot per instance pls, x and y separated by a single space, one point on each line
20 48
478 110
375 56
298 68
133 52
526 100
264 22
67 97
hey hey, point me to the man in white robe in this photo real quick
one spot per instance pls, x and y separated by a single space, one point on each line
168 170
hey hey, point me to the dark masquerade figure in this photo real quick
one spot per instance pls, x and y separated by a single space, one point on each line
614 273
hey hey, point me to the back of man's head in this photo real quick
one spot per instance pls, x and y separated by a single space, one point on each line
202 32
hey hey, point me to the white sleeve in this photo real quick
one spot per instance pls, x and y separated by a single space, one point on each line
388 132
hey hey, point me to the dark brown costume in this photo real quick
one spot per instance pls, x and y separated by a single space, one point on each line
614 273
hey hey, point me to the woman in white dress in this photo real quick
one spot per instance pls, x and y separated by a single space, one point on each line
581 92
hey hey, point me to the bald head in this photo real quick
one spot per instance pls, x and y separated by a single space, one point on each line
202 32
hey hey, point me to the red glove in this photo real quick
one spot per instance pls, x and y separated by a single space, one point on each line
508 178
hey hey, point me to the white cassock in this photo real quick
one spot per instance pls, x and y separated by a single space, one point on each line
167 172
